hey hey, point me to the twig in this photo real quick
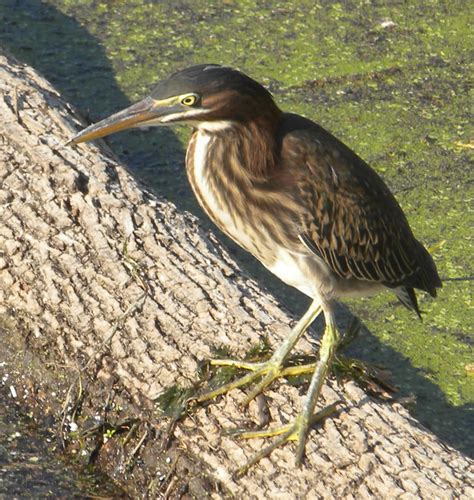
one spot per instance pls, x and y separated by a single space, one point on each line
16 105
135 450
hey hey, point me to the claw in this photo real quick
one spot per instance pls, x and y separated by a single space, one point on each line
269 370
294 431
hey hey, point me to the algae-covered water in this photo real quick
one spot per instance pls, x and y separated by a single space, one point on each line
391 79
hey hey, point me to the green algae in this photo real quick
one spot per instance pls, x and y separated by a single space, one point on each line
390 80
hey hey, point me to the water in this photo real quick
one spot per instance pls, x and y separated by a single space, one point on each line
32 463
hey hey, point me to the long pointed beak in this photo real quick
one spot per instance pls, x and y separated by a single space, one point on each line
147 110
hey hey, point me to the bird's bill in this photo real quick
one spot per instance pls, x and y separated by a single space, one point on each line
144 113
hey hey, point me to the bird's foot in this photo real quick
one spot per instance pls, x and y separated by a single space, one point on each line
263 372
295 431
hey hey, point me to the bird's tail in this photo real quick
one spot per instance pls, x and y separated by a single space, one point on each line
428 277
406 295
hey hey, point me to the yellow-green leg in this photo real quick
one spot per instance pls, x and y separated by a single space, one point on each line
299 428
268 370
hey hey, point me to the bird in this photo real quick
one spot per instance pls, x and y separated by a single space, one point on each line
302 202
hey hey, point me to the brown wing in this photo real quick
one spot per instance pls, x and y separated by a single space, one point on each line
350 218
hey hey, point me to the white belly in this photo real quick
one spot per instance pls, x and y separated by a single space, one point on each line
314 278
290 268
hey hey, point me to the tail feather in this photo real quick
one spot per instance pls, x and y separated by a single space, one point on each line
428 274
406 295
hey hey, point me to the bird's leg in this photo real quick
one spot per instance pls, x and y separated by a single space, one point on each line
299 428
266 371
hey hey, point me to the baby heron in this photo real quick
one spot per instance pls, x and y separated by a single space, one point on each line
294 196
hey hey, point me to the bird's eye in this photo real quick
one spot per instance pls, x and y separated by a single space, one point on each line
189 100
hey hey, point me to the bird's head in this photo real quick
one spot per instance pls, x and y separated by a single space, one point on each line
207 96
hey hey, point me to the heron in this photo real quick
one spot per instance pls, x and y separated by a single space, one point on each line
290 193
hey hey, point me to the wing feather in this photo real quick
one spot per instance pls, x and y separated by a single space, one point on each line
350 218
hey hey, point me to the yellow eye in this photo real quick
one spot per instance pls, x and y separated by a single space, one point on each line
189 100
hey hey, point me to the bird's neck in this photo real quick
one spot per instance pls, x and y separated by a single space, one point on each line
243 149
